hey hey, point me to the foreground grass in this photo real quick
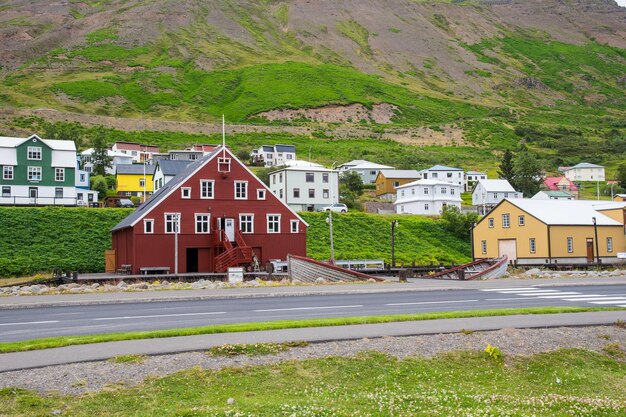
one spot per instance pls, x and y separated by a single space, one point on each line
52 342
560 383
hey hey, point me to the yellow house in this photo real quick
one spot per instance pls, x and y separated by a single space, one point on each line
388 179
131 180
535 232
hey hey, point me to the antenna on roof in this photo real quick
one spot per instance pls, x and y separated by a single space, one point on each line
223 131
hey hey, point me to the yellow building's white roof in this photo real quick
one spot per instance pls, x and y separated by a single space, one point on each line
569 212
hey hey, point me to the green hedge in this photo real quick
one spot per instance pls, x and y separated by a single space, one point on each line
43 239
47 238
368 236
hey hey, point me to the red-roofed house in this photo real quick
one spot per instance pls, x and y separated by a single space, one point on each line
560 184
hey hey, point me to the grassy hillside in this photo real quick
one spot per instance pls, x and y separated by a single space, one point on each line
490 72
44 239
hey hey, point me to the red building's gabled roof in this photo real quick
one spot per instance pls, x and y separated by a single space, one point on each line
551 183
176 182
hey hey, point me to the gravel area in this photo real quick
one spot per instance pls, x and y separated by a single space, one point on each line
94 376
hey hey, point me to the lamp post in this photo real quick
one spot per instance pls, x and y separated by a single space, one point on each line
329 219
595 232
176 231
394 224
145 156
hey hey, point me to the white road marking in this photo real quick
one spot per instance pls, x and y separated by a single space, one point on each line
509 289
537 294
573 297
159 315
601 298
29 322
431 302
307 308
536 290
505 299
615 301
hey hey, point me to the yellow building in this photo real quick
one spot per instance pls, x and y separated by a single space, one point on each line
388 179
552 231
131 180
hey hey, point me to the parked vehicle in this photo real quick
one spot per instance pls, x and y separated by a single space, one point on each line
337 207
125 203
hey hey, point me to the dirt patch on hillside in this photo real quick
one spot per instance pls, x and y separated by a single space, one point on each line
415 136
353 113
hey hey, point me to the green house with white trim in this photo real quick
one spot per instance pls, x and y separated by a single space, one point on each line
37 171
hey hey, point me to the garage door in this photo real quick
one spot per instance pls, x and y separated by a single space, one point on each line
507 247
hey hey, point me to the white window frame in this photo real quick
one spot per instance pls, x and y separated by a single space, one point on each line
521 220
532 245
185 192
212 194
33 152
325 178
483 247
269 229
251 222
570 245
506 220
245 190
306 177
31 173
61 177
223 162
175 225
260 194
609 244
8 194
8 173
147 222
295 223
490 222
199 219
58 192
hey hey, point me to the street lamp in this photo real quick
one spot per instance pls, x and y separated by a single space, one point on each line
394 224
595 232
329 219
145 157
176 217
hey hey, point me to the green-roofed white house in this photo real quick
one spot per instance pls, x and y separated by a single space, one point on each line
37 171
553 195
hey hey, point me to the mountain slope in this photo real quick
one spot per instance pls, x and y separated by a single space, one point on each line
482 68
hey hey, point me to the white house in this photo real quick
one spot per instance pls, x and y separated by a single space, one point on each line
117 158
138 151
553 195
305 188
427 197
472 177
488 193
366 169
444 173
273 155
165 170
584 172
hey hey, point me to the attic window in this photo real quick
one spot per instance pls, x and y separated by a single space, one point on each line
223 164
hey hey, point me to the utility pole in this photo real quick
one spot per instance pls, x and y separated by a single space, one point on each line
176 230
393 242
595 232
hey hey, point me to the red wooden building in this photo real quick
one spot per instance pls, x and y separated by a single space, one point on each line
225 216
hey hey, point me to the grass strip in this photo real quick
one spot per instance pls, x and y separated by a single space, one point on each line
54 342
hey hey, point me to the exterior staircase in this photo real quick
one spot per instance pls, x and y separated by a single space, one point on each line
237 253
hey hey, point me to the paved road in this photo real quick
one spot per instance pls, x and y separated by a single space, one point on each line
23 324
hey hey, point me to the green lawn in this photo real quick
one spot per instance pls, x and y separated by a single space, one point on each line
370 384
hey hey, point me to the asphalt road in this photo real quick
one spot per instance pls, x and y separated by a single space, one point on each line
31 323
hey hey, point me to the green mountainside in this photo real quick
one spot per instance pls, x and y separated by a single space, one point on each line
480 76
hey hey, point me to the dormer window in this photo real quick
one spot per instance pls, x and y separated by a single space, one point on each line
223 164
34 153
